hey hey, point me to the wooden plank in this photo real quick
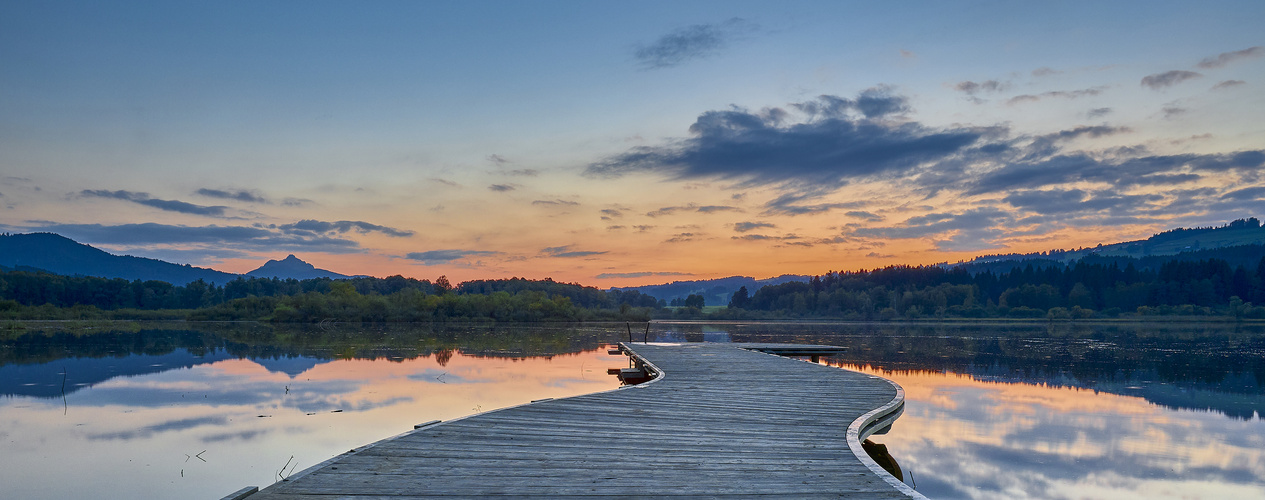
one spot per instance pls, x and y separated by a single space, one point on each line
720 420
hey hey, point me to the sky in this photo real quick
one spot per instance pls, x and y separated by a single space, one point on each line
623 144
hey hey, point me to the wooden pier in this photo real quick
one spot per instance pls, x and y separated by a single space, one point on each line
717 420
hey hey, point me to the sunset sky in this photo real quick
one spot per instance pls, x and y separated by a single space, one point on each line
625 143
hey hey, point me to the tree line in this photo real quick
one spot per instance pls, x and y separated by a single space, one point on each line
1088 288
40 295
1092 287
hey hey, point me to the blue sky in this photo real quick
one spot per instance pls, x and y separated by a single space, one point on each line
617 143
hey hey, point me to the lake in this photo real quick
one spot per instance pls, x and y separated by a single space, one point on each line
1009 410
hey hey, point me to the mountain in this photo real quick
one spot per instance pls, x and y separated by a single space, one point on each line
715 292
292 267
1189 243
61 255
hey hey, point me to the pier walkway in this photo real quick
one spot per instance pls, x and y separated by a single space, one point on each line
717 420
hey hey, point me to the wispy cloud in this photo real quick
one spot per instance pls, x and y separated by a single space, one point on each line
316 227
867 216
698 41
1054 94
501 188
692 207
972 88
166 205
555 203
743 227
1097 113
238 195
1225 58
1160 81
439 257
642 274
975 229
1227 84
566 252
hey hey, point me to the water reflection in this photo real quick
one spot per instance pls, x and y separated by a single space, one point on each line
1012 411
1059 411
163 413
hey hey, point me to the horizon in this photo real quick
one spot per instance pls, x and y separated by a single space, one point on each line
617 147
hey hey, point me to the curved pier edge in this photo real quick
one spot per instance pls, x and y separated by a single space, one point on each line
876 419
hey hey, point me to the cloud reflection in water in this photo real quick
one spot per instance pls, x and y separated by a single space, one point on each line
967 438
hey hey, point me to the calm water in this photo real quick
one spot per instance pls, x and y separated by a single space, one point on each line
198 411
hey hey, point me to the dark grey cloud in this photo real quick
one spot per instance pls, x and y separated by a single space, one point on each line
1048 144
611 213
145 199
711 209
972 230
239 195
692 207
555 203
1225 58
1173 111
681 238
501 187
566 252
232 239
445 182
831 148
1055 94
1160 81
875 102
860 214
799 202
296 202
1081 166
311 226
643 228
698 41
1251 193
1228 84
743 227
1098 112
641 274
765 237
497 159
972 88
437 257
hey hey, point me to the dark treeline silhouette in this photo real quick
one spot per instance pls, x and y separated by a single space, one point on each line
39 295
1226 281
1090 287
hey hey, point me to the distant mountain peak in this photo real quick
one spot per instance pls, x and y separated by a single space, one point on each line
292 267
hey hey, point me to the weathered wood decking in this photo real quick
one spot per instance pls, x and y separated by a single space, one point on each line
718 420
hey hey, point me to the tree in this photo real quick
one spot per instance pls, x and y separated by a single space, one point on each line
695 301
442 285
740 299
